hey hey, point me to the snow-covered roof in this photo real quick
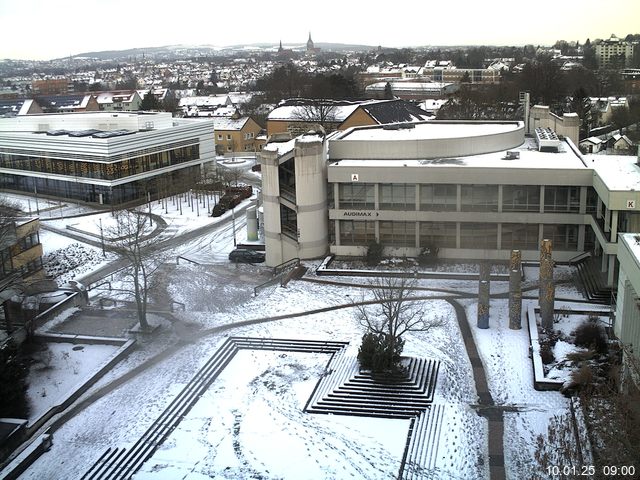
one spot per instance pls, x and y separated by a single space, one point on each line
281 148
224 123
617 172
427 87
116 96
529 158
212 100
594 140
339 113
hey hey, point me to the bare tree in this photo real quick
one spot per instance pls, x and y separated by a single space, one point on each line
317 112
129 237
394 313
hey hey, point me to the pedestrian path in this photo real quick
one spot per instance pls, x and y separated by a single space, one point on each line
486 407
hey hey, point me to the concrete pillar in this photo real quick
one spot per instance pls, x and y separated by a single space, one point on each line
614 226
252 224
612 270
547 287
483 295
515 290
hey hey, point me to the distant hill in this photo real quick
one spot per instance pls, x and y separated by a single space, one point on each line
211 50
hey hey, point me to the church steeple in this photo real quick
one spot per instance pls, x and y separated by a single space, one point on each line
280 47
310 45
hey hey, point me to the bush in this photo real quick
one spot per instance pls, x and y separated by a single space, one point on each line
428 256
546 354
591 335
374 253
13 383
377 353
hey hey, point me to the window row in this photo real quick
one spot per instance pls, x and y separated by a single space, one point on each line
104 171
473 198
477 236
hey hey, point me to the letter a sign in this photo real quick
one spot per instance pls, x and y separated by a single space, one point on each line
354 177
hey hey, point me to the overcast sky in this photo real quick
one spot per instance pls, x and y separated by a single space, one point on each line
46 29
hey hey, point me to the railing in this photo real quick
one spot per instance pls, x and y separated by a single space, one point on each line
286 266
185 258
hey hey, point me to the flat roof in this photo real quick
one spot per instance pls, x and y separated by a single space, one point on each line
617 172
432 130
529 158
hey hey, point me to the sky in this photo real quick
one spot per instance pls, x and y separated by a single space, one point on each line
47 29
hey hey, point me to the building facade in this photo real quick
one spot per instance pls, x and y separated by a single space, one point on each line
105 158
474 190
614 53
236 135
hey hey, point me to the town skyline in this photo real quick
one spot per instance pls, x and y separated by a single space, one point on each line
64 29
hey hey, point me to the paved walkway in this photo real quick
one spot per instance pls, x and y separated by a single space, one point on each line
486 407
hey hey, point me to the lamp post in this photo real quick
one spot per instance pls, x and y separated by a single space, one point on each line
233 224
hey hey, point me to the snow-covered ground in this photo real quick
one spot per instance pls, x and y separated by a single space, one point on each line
250 423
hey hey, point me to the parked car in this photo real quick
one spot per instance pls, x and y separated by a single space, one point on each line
245 255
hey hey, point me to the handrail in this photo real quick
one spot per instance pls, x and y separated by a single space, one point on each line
185 258
284 266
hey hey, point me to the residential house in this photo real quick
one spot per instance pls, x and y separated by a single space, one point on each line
298 116
68 103
621 144
592 145
19 106
235 135
119 101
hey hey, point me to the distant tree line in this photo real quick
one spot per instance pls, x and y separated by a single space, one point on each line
288 81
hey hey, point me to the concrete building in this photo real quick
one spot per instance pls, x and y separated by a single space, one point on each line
614 53
472 189
627 324
411 90
106 158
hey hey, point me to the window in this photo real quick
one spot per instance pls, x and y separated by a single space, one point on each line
520 236
354 232
562 199
398 234
479 198
229 149
521 198
438 198
228 137
356 195
563 237
398 196
219 136
438 234
479 235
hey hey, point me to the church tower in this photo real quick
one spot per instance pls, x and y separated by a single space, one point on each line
310 46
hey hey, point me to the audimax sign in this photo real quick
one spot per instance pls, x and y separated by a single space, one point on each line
360 213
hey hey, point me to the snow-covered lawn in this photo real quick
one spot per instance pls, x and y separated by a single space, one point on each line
250 422
58 368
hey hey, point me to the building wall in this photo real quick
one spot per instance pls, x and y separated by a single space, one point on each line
25 253
109 169
568 125
627 319
357 119
243 140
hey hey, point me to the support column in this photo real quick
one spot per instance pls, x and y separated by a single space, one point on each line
483 295
614 226
547 288
612 270
515 290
